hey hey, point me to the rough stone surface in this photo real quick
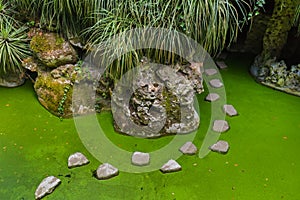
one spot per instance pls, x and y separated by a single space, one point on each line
216 83
47 186
77 159
221 147
220 126
230 110
160 103
106 171
12 79
170 166
210 72
52 50
188 148
212 97
221 64
30 64
140 158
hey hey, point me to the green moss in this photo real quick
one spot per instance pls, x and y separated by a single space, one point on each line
46 42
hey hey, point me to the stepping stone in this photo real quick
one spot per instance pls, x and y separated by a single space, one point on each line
170 166
221 64
188 148
140 158
210 72
230 110
216 83
220 147
77 160
220 126
223 55
212 97
47 186
106 171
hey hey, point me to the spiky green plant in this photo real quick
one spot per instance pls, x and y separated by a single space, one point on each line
212 23
14 47
297 18
6 13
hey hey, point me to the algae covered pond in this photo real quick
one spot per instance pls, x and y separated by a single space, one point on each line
262 163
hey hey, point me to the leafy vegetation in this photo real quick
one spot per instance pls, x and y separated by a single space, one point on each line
297 18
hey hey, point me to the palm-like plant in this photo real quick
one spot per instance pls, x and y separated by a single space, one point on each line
13 47
297 18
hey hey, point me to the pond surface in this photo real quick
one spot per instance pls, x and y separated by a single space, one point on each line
262 163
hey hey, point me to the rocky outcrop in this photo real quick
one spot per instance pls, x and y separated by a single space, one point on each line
52 50
12 79
158 102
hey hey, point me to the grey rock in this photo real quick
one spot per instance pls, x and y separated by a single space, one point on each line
210 72
221 147
106 171
170 166
12 79
230 110
221 64
47 186
220 126
77 160
216 83
188 148
140 158
212 97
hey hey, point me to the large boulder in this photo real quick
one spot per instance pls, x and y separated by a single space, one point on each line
12 79
52 50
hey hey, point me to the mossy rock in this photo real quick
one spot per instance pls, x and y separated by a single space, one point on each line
52 50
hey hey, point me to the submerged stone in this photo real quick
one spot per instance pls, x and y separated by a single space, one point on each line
140 158
188 148
221 64
47 186
221 147
106 171
220 126
77 160
170 166
230 110
211 72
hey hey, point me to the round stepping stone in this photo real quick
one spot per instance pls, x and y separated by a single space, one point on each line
212 97
140 158
188 148
220 126
106 171
77 159
47 186
221 64
170 166
216 83
230 110
210 72
220 147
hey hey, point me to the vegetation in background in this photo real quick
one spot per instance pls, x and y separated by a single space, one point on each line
297 18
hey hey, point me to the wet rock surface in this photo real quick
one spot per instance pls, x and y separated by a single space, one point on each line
211 72
220 126
170 166
12 79
77 159
212 97
216 83
220 147
159 101
140 158
106 171
47 186
188 148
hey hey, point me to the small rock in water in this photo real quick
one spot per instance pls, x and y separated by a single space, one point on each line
220 126
230 110
221 147
47 186
210 72
188 148
216 83
221 64
140 158
106 171
170 166
212 97
77 159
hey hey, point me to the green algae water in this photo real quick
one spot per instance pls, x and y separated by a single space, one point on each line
262 163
